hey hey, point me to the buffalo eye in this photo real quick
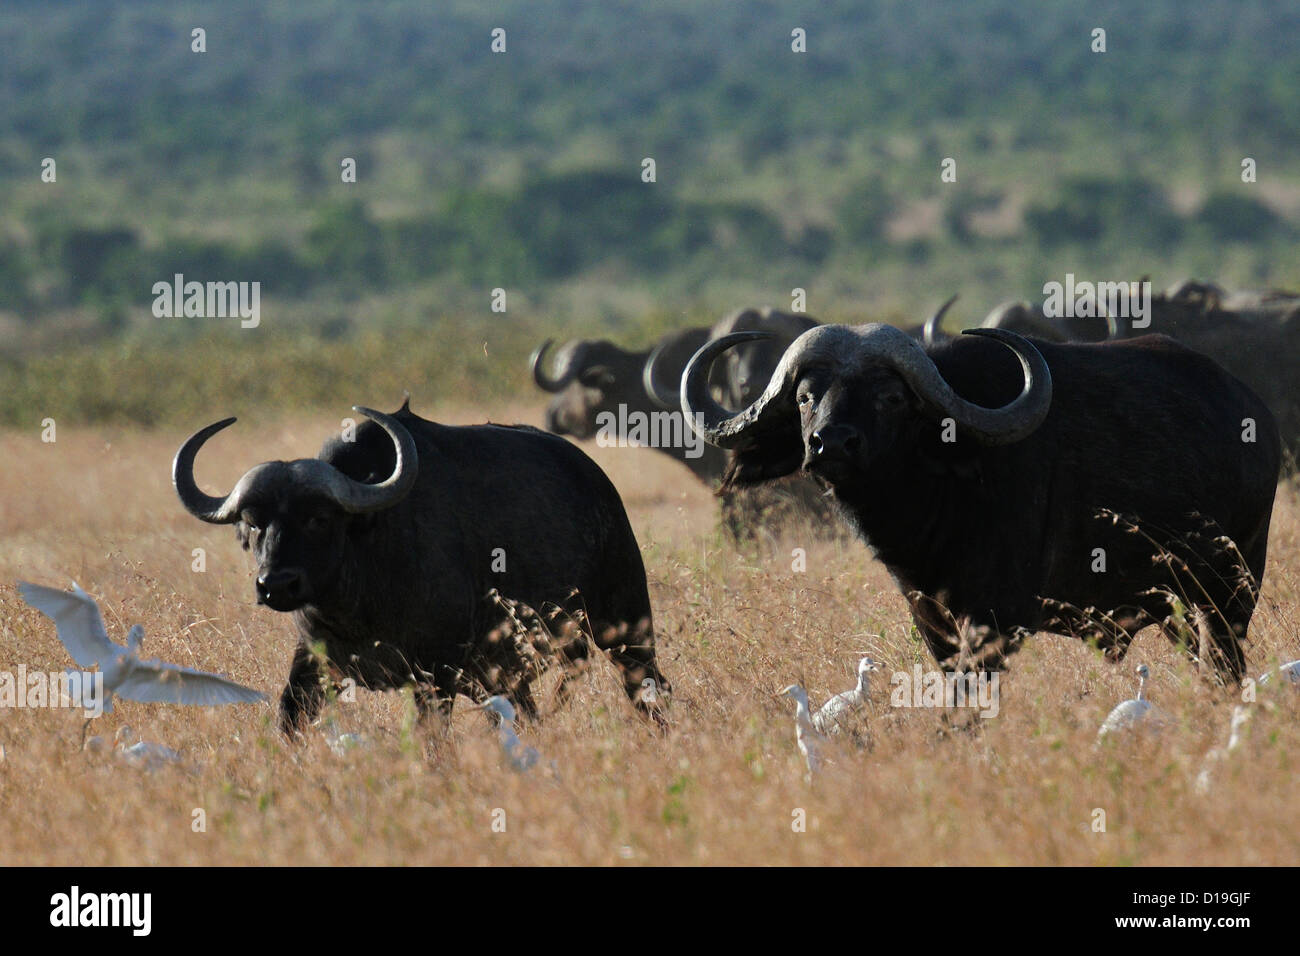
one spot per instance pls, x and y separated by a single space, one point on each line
600 378
805 399
890 400
317 523
252 520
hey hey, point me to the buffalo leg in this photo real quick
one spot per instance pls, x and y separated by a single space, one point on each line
936 625
301 700
634 656
432 700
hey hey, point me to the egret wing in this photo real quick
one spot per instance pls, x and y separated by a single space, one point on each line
77 619
153 682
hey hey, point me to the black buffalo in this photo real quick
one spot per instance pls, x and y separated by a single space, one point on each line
595 377
393 550
1012 486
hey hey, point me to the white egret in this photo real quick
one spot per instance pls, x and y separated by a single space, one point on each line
837 713
1216 756
338 741
81 629
1130 713
1289 673
653 700
518 756
143 754
809 740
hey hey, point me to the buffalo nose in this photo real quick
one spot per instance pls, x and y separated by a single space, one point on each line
835 441
279 586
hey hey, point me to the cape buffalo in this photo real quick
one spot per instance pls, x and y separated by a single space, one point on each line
1011 486
393 550
596 377
1026 319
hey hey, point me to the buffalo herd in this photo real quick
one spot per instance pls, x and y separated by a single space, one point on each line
1087 476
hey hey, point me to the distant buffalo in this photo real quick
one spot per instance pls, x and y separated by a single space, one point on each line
593 378
394 551
740 379
1013 486
797 503
1029 320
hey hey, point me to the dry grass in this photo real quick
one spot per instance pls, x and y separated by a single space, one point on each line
720 787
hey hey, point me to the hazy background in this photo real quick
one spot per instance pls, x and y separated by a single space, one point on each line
522 171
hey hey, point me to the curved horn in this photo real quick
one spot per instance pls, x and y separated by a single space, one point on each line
361 498
1012 422
932 334
1112 324
887 345
715 424
655 389
355 497
567 374
535 364
204 507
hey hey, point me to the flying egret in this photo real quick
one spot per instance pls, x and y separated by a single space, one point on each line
518 756
1290 674
810 741
1130 713
1216 756
81 629
838 712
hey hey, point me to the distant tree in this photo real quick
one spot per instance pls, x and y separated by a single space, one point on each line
1231 216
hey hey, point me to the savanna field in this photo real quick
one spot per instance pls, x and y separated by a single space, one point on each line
721 786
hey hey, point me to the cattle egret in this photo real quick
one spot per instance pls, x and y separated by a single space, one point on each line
1129 713
838 712
143 754
81 629
1290 674
809 740
1216 756
337 741
650 693
652 701
518 756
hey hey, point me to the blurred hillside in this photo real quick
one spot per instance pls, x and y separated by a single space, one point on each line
522 170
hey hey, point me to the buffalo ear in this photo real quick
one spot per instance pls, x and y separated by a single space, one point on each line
759 464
